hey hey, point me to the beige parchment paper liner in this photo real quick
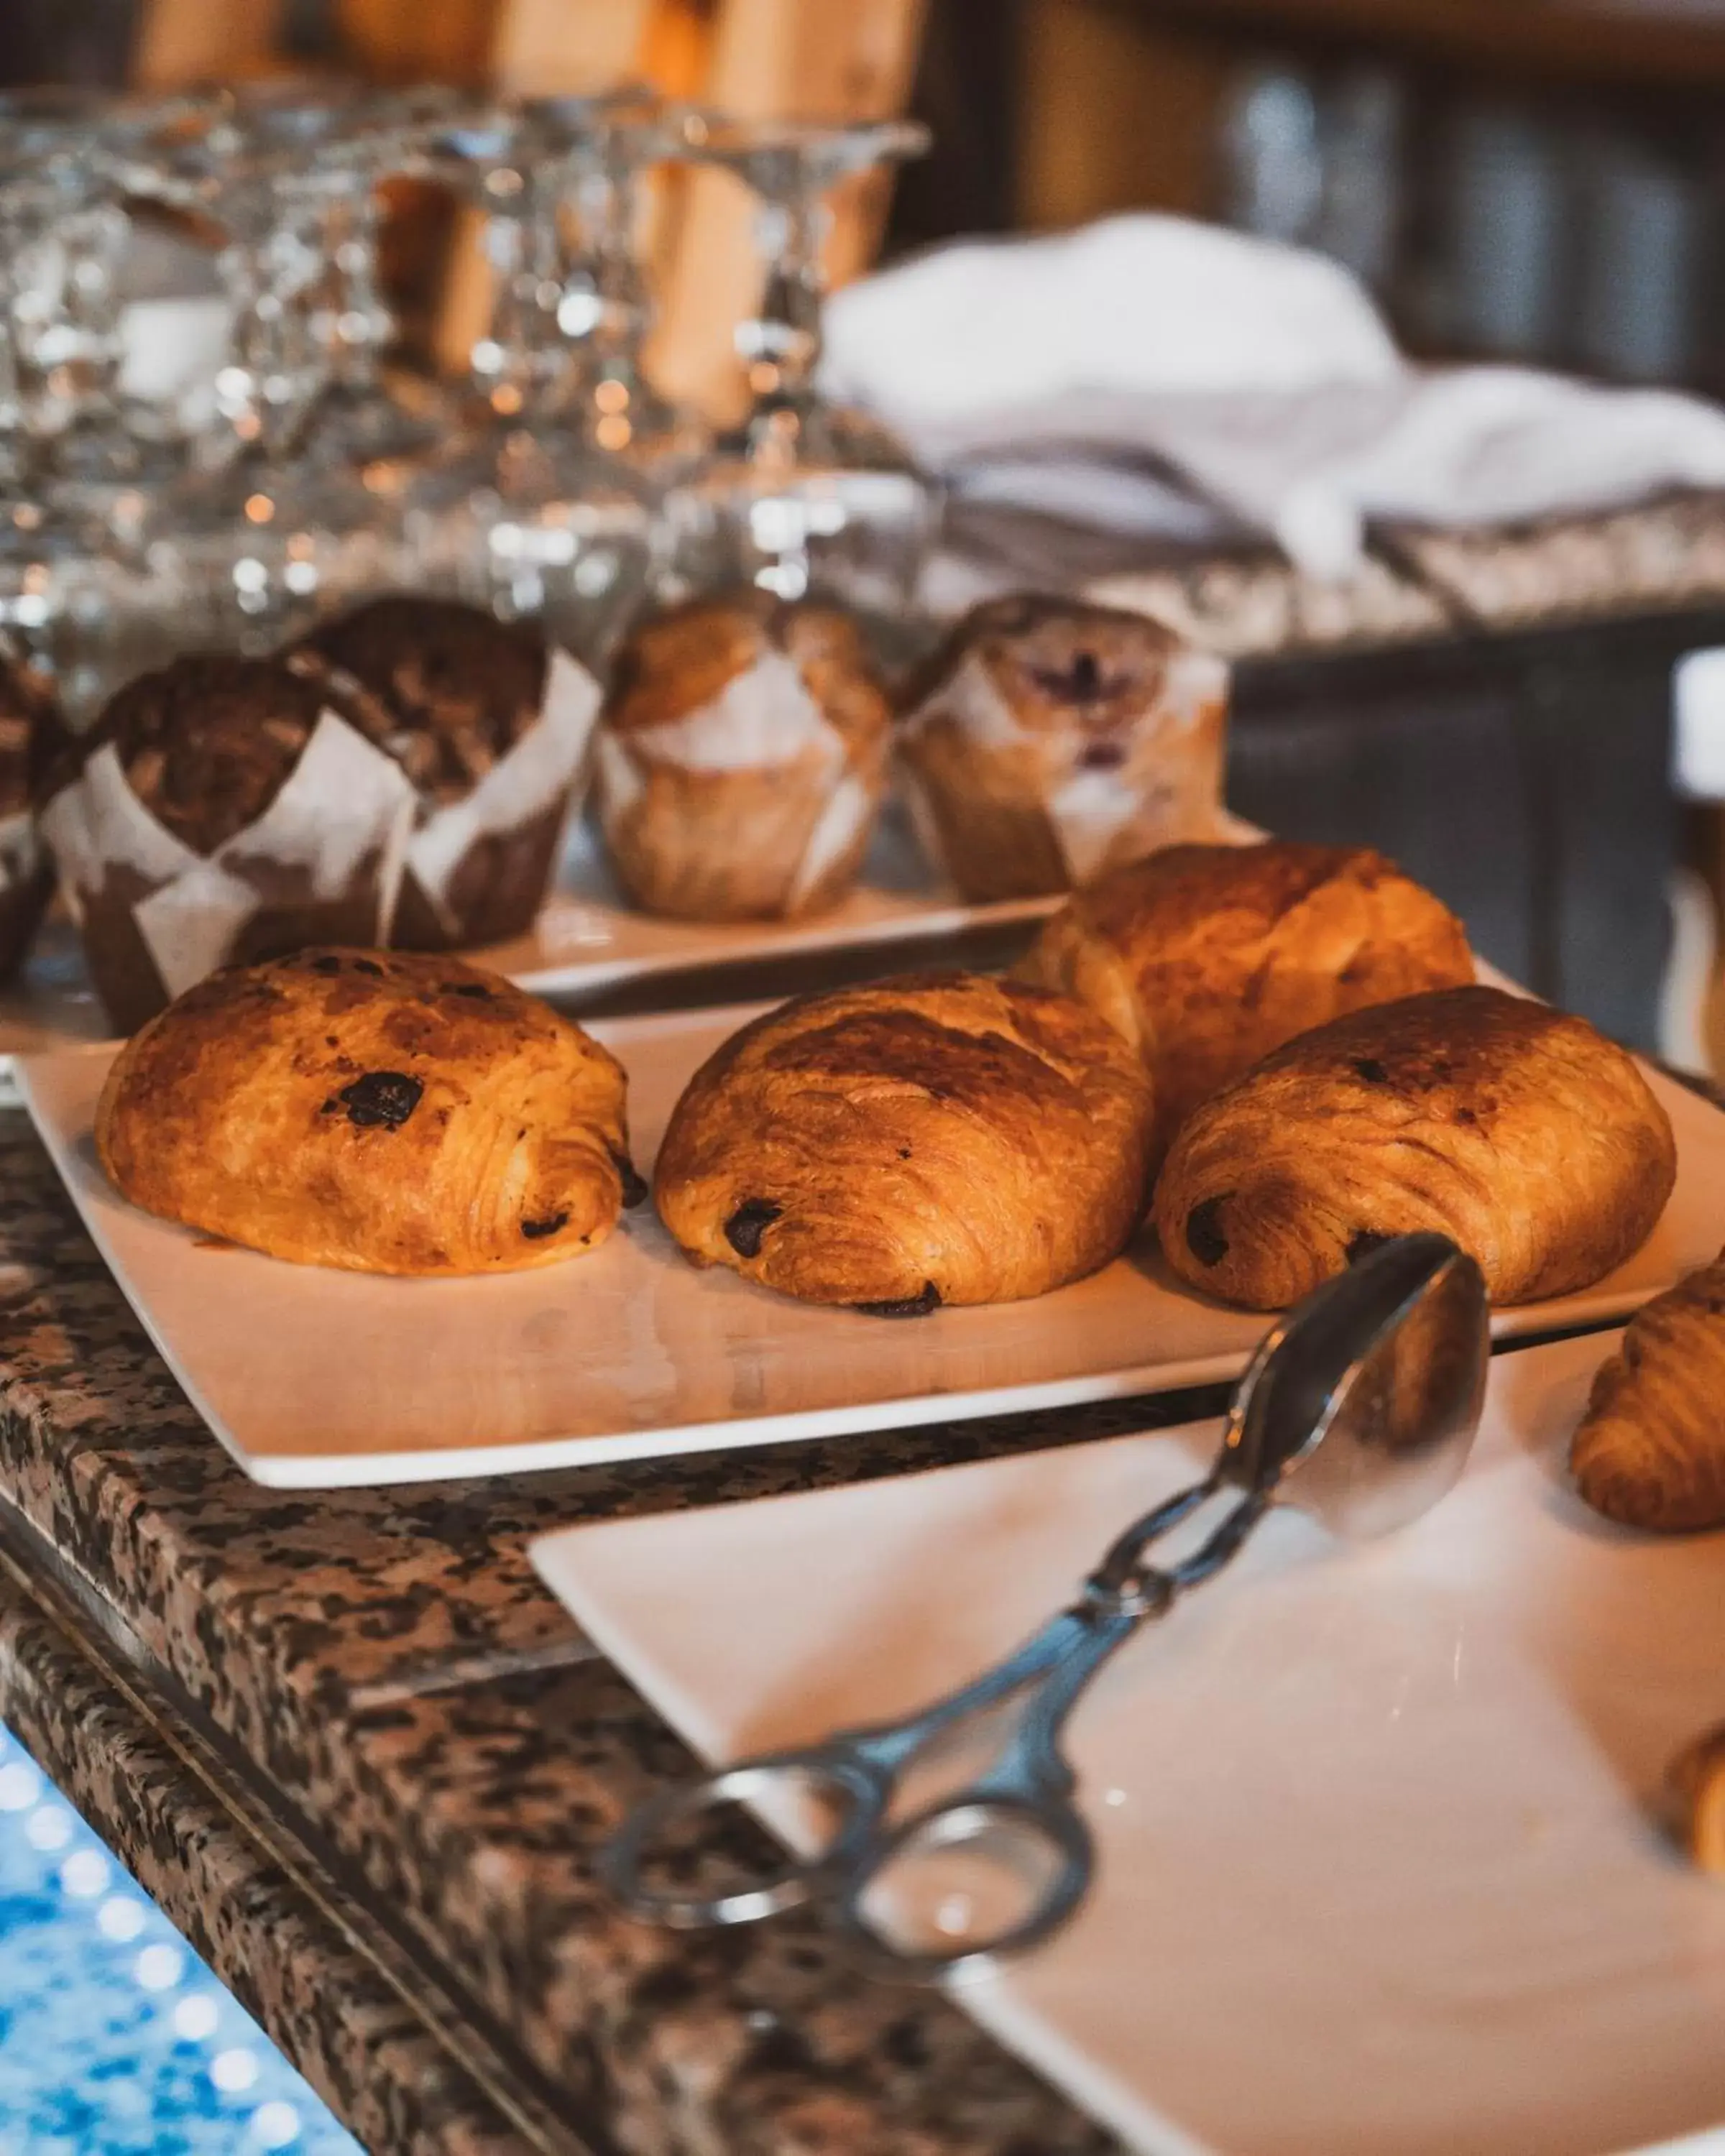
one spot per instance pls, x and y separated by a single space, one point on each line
750 806
322 863
478 869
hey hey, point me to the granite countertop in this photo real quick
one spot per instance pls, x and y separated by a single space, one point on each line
364 1759
1415 584
378 1678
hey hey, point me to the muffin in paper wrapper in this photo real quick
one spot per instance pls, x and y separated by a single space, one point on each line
321 864
438 683
739 772
1050 740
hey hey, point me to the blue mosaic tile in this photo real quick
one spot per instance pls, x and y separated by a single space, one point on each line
116 2040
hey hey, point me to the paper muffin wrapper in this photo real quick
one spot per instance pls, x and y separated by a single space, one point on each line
1094 818
458 859
684 811
325 857
762 716
759 844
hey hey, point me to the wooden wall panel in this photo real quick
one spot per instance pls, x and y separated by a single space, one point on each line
1117 113
774 59
182 41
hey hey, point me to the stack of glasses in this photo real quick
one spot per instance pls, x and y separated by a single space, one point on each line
557 484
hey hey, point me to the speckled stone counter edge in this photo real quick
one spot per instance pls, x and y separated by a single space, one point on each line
151 1791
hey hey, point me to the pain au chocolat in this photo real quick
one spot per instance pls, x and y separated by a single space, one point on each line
1207 957
941 1138
1650 1450
377 1111
1517 1130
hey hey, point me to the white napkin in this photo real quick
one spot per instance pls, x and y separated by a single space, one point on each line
1165 378
1134 304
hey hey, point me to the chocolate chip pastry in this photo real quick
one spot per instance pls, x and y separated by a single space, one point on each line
452 692
386 1112
741 758
1048 741
1207 957
1650 1451
941 1138
1515 1129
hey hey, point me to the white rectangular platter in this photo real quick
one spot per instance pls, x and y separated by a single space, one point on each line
589 936
1377 1875
315 1378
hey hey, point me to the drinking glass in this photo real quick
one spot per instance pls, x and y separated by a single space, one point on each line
73 465
361 412
257 537
530 515
805 496
607 307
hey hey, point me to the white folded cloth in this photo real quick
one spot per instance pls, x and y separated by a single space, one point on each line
1156 376
1135 304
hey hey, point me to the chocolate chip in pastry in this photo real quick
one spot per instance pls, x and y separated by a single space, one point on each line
941 1138
1515 1129
383 1111
1048 741
223 810
1207 957
741 758
1651 1448
455 691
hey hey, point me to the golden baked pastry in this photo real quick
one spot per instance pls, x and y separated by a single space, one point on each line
741 758
1514 1128
1207 957
1695 1789
379 1110
941 1138
1049 740
1651 1448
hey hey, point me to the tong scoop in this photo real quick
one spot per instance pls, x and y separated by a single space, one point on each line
1359 1408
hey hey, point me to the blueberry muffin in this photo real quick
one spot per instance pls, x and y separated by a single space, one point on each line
1048 741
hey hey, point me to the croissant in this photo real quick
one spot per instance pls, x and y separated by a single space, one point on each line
941 1138
1651 1448
1695 1786
1207 957
1514 1128
379 1110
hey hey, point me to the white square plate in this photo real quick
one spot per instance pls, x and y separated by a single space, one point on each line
316 1378
1376 1872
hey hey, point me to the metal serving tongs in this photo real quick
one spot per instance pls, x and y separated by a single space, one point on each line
1359 1408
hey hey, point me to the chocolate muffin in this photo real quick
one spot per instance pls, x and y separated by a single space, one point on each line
221 811
1049 740
30 728
741 758
491 727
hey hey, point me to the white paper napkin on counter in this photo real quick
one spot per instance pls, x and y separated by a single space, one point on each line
1162 377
